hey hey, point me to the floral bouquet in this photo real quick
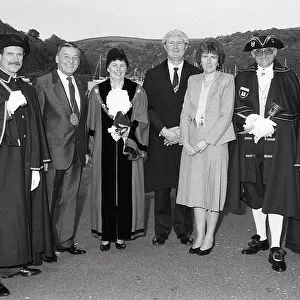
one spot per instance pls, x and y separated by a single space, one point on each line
118 105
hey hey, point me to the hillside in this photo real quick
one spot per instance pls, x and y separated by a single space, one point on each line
146 53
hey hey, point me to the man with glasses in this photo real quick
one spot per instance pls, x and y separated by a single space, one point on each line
165 86
268 147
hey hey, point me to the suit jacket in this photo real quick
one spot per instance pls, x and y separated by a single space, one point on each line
218 127
162 166
62 136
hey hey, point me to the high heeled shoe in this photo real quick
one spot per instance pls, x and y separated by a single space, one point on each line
194 250
206 251
105 247
120 246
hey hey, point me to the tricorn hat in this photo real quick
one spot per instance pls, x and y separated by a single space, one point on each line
116 54
13 39
263 41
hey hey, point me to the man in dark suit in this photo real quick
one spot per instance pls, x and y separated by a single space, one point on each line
63 100
165 86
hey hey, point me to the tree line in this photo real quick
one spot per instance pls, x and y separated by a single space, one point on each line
143 54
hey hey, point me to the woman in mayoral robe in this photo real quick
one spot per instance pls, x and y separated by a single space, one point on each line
118 123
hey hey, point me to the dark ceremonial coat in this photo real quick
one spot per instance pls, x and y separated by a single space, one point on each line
117 197
281 151
162 165
23 149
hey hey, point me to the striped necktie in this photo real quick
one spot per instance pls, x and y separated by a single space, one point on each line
175 83
73 102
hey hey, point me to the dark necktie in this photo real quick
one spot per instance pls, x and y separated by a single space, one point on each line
175 80
73 102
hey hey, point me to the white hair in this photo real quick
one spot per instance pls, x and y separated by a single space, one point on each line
177 33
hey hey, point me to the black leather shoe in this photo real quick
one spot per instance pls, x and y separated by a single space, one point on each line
185 239
194 250
206 251
72 250
25 272
3 290
255 245
158 240
120 246
105 247
276 258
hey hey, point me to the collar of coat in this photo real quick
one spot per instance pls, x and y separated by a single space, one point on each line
5 76
277 67
105 87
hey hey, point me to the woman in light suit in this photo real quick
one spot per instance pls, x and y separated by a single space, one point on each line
206 129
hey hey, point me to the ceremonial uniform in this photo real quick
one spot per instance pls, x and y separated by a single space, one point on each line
278 153
22 150
265 159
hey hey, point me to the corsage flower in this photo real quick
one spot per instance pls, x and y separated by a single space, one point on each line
118 104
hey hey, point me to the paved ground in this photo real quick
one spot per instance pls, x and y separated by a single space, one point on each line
144 271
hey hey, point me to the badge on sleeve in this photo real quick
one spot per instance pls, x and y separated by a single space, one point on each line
243 92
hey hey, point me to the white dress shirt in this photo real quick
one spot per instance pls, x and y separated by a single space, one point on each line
264 77
65 82
171 70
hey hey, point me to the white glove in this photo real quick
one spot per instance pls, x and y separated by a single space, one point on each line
114 134
262 128
249 122
35 180
15 100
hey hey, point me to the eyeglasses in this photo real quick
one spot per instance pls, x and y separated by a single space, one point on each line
178 43
266 51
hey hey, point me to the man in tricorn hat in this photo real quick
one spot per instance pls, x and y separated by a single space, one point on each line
23 150
266 156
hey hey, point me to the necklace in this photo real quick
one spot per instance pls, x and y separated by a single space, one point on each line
208 80
263 95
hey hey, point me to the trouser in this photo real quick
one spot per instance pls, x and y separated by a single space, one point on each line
63 189
254 192
165 208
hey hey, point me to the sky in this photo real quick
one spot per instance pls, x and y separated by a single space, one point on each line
74 20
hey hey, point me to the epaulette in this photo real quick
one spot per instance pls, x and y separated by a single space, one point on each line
281 69
247 69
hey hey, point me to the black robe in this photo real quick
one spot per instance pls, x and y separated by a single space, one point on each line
117 197
281 150
23 149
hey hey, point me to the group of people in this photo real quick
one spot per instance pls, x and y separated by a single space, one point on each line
214 138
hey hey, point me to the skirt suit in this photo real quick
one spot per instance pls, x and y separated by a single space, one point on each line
203 176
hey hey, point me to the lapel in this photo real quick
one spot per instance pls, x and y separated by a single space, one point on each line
213 88
184 75
81 95
274 93
197 89
166 76
60 92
